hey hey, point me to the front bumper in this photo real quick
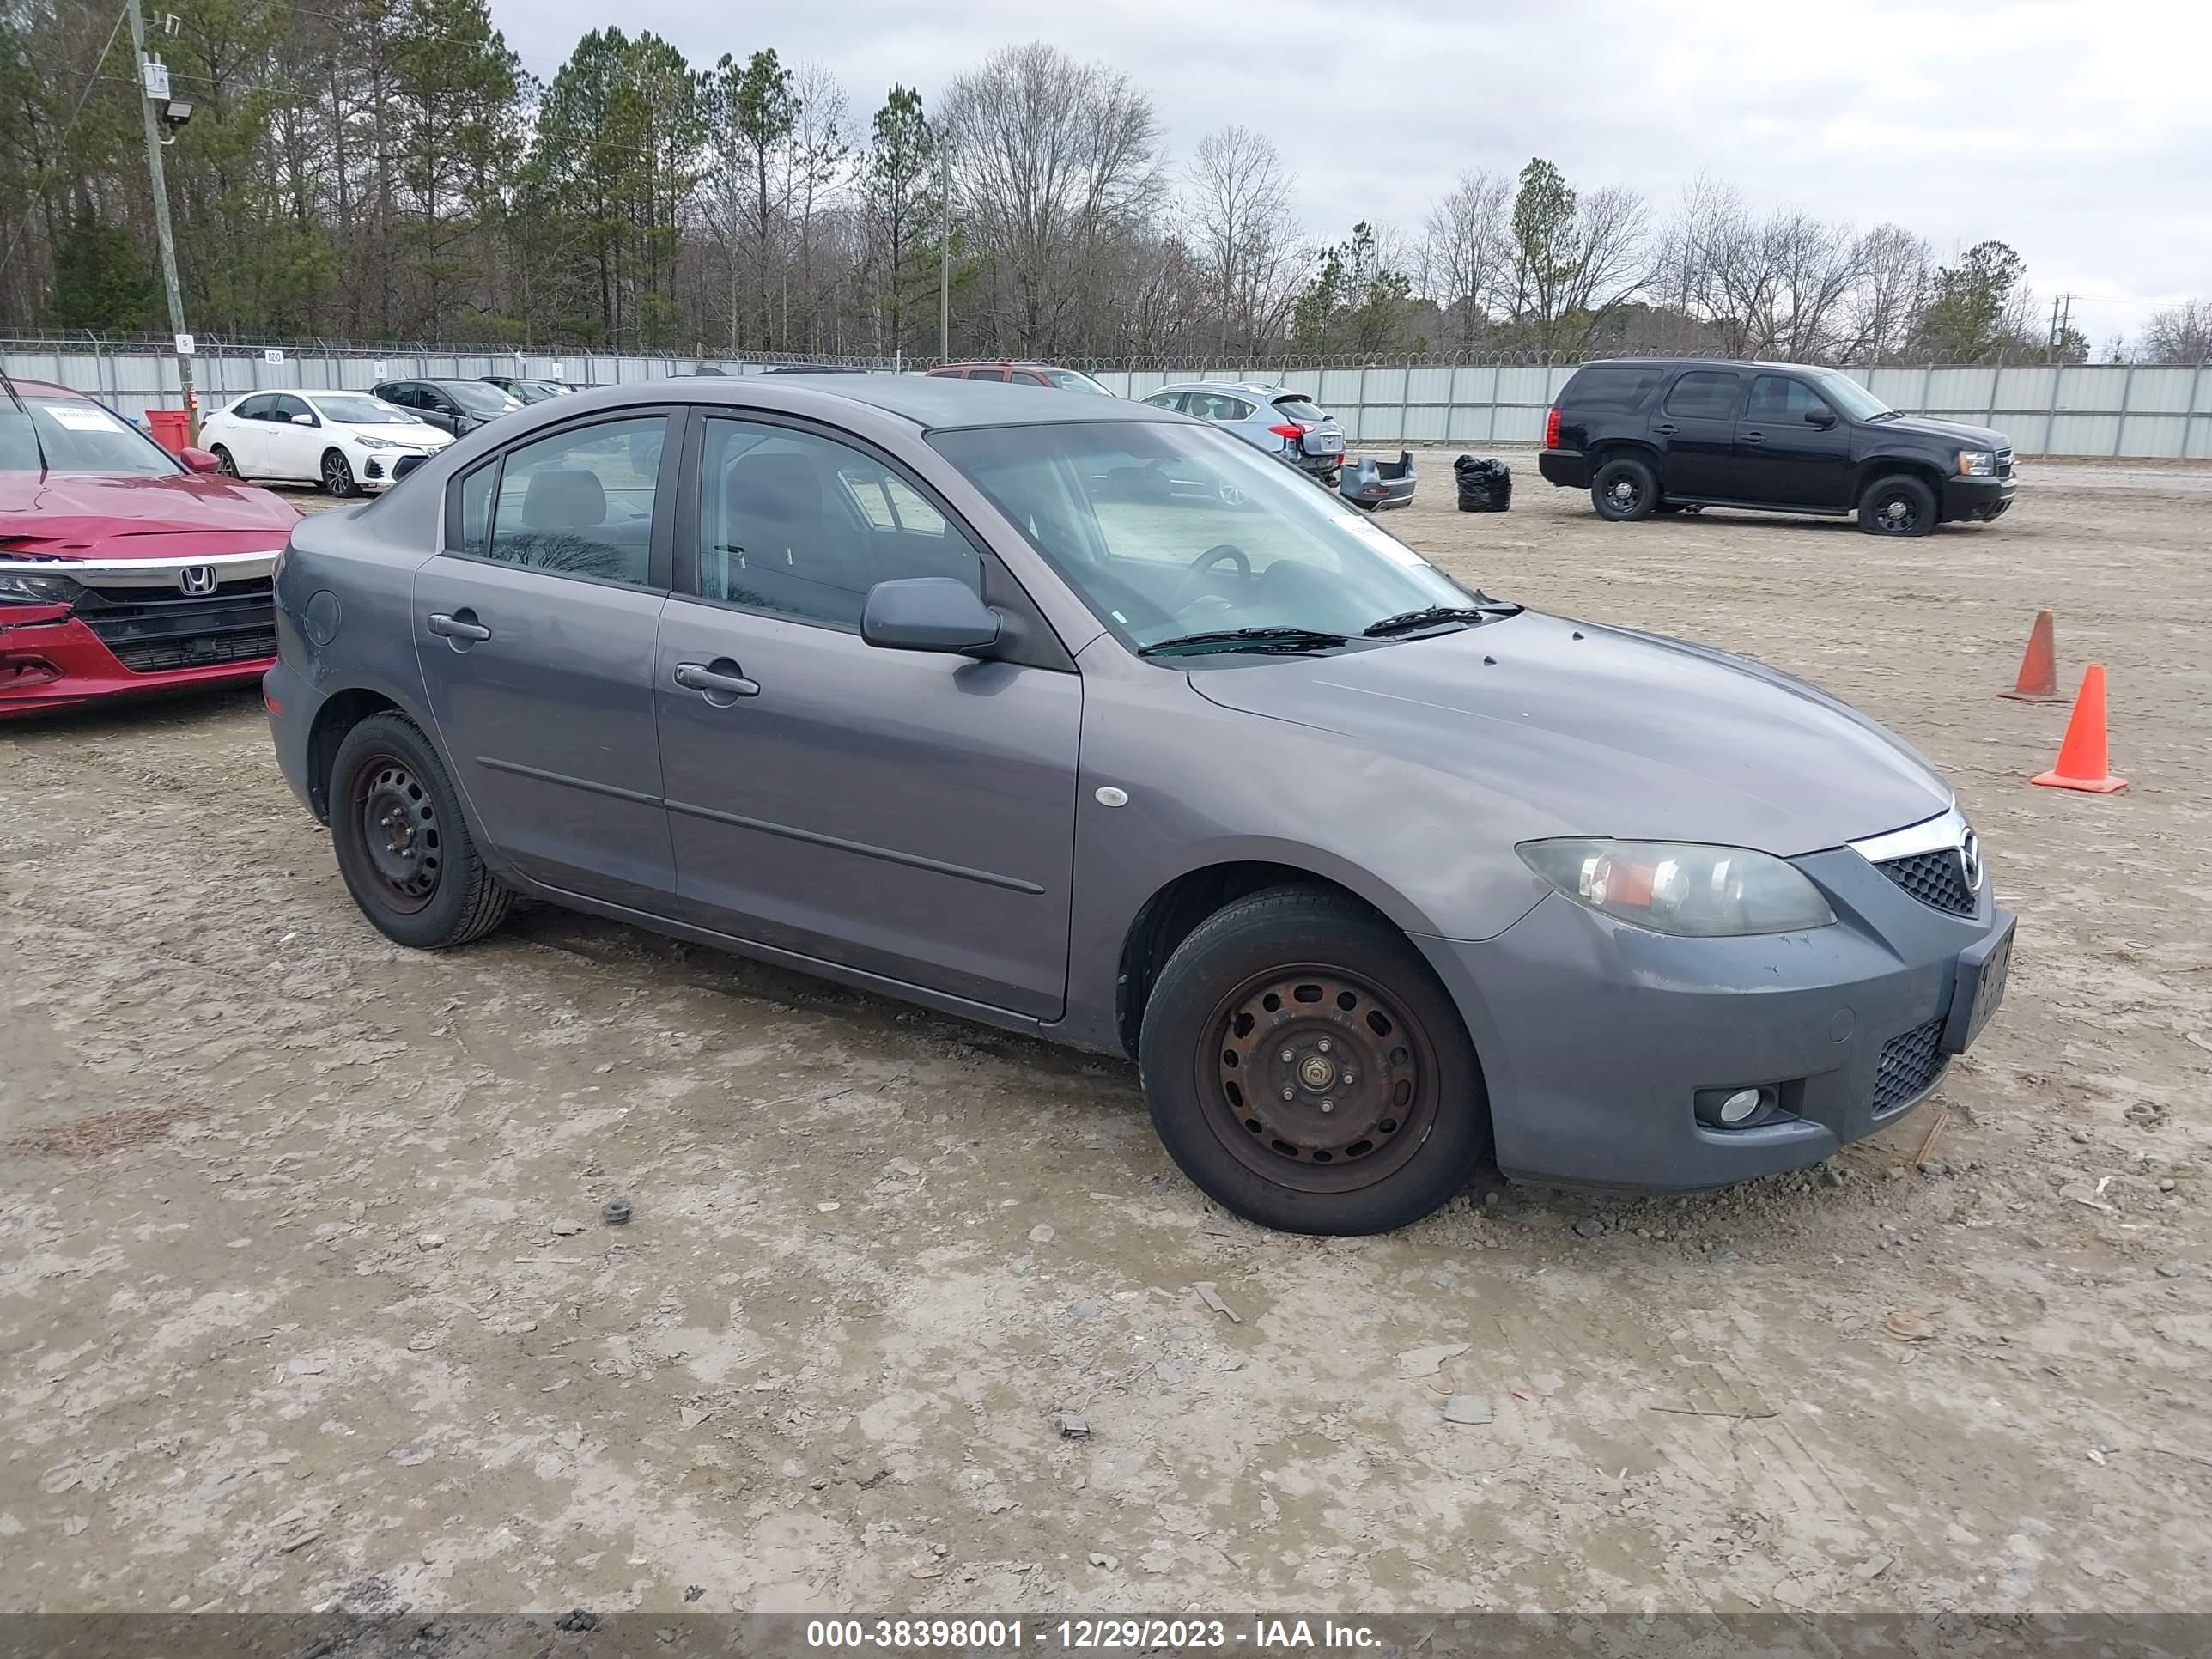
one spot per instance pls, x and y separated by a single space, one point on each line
1567 468
1596 1037
374 470
1978 498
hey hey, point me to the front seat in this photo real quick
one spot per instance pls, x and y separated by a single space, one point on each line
786 543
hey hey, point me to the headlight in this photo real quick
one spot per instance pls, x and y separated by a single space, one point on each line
1682 888
21 587
375 443
1976 463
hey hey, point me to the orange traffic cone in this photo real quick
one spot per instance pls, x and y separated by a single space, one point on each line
2039 668
2082 761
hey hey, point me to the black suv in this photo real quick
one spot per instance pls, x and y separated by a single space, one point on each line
1647 436
456 406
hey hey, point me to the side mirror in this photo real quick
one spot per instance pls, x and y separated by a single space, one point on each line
304 420
928 613
200 460
1823 418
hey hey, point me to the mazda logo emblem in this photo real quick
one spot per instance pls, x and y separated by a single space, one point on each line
1970 857
196 579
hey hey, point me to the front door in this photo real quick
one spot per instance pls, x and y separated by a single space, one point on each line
907 814
1791 448
536 629
291 450
1695 428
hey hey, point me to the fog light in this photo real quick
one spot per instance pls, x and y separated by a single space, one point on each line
1739 1106
1736 1108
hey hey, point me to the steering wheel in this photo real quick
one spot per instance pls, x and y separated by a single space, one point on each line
1184 597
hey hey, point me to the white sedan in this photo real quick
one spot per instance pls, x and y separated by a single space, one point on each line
346 441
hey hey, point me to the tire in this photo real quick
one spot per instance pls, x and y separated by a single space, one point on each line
420 881
337 475
1624 490
1899 505
224 464
1377 1038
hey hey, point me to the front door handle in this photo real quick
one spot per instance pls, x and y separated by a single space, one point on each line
1753 437
457 628
1663 427
719 680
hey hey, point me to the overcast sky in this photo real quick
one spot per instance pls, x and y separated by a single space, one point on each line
2078 132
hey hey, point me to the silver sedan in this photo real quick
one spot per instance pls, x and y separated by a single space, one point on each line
1284 422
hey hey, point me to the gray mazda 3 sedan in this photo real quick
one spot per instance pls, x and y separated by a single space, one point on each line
1086 720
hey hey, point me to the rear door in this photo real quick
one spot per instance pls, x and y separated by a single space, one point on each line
1695 430
1791 448
903 813
536 629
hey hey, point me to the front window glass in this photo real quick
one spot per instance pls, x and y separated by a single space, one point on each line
78 437
1168 530
359 410
580 501
1777 397
478 399
1848 395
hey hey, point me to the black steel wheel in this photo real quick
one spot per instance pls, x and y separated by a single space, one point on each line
337 475
1624 489
402 844
1899 505
1305 1069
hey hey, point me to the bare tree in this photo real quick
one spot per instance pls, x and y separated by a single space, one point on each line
1894 267
1052 158
1574 257
2180 334
1467 249
1244 237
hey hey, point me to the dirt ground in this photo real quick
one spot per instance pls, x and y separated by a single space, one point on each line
305 1300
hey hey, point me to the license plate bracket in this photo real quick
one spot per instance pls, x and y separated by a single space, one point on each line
1984 969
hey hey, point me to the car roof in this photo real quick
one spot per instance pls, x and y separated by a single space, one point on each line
1005 362
48 389
933 402
1248 388
1692 362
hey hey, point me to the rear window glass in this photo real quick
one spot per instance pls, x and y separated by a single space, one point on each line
1621 388
1705 393
1301 409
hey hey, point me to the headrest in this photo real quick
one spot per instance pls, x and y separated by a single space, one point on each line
566 498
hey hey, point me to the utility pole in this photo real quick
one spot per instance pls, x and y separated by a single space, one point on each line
944 255
161 227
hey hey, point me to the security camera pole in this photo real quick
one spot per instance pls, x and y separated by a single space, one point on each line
161 229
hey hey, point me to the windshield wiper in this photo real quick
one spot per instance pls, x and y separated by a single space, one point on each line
1886 415
1429 616
1245 639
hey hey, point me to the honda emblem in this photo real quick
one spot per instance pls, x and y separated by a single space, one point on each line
196 579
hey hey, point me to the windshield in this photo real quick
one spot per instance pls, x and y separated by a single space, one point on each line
476 397
78 437
536 391
360 411
1070 379
1168 529
1848 395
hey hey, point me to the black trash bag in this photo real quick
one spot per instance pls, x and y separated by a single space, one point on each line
1485 484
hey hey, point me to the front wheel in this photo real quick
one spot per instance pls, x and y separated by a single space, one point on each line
1304 1068
402 845
1899 505
224 464
337 475
1624 491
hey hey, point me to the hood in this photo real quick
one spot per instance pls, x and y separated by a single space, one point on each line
1956 433
88 515
1596 731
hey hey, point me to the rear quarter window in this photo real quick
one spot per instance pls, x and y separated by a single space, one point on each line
1619 389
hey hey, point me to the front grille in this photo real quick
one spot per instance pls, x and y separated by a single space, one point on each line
1937 880
197 651
1910 1066
2004 462
151 630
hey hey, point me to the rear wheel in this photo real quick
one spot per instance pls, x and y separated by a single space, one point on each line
402 845
1624 490
1899 505
1304 1068
337 475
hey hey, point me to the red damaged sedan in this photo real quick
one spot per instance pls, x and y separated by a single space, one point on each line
122 570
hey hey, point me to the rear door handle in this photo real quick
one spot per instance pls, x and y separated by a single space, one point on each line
699 677
1663 427
457 628
1752 437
